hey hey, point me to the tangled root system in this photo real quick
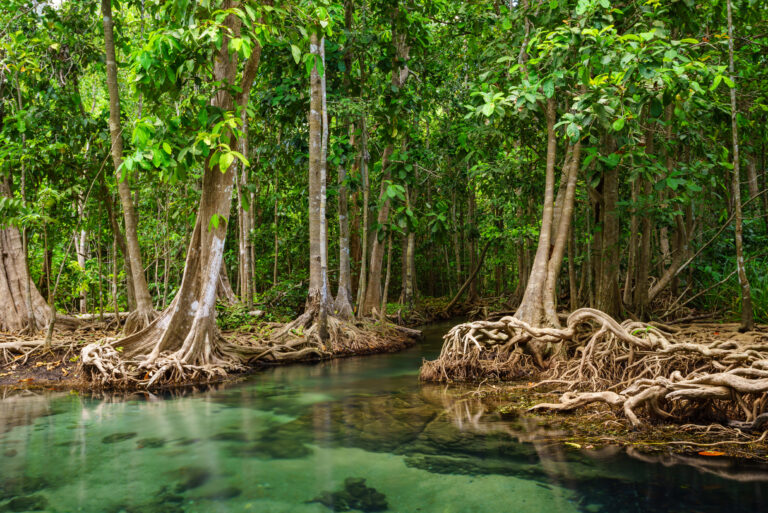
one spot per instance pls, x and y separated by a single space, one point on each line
681 375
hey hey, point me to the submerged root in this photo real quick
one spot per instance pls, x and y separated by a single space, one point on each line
633 366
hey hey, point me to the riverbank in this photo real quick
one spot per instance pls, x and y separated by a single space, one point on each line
59 368
599 427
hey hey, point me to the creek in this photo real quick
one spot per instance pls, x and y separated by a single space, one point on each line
354 434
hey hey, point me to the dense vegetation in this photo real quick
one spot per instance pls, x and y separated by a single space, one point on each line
320 160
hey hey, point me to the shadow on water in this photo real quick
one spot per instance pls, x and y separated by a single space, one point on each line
358 434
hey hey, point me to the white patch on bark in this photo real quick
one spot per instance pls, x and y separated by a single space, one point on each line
209 291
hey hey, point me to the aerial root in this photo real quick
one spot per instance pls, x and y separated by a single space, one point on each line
685 376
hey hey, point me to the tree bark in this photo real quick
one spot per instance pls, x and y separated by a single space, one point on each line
317 298
186 332
17 292
400 74
144 312
531 308
747 318
607 294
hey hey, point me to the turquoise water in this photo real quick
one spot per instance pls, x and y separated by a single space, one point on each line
356 434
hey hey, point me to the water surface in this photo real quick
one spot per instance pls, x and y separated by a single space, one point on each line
357 434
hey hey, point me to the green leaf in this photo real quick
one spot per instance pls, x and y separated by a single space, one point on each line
618 125
296 53
214 222
716 83
548 87
728 82
488 109
167 148
573 132
225 161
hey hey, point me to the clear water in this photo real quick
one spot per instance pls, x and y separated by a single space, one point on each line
288 439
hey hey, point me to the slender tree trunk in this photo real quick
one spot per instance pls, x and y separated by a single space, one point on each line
363 280
747 318
531 308
474 295
317 299
400 74
607 295
343 303
383 312
144 312
277 226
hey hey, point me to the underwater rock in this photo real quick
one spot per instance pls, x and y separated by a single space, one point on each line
22 485
150 443
28 503
117 437
194 477
230 436
187 441
355 495
273 447
222 493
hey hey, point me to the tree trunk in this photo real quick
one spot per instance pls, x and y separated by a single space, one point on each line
747 318
531 308
474 295
317 298
363 279
607 294
186 331
17 292
383 312
343 303
400 74
144 312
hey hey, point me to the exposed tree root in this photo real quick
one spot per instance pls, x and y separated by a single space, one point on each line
301 339
151 358
631 365
138 319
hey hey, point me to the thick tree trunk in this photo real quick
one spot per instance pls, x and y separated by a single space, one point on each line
747 318
186 333
144 312
373 288
17 292
570 175
388 275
